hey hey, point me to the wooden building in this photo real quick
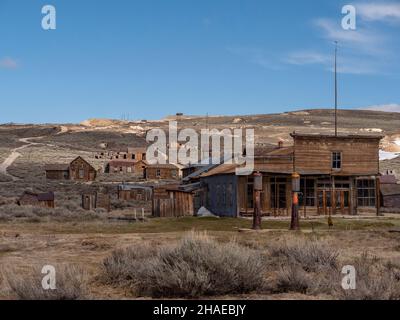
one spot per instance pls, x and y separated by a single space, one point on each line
177 200
130 192
57 171
390 192
29 198
81 170
338 176
162 172
130 167
78 169
96 200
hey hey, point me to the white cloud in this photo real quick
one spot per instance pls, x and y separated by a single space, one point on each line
308 57
393 107
8 63
363 40
386 11
346 64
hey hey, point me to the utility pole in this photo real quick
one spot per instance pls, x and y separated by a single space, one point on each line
257 201
336 89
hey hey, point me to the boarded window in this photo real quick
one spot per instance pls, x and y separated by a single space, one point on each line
366 193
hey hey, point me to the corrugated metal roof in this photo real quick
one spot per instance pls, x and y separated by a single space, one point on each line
127 187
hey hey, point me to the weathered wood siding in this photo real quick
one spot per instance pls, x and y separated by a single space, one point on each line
80 170
314 154
164 173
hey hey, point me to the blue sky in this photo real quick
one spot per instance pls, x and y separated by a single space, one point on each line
152 58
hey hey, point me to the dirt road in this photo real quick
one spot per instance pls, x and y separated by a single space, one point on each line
15 155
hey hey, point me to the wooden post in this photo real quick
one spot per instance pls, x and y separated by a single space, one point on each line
378 196
142 214
257 186
295 223
135 213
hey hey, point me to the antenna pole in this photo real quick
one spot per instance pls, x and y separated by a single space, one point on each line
336 91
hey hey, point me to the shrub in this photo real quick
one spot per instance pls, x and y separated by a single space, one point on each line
312 255
70 284
293 278
196 266
374 281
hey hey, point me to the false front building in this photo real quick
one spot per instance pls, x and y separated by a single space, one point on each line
339 175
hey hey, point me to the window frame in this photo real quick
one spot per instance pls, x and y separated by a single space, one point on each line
335 161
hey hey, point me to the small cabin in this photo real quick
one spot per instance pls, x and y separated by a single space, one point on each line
162 172
57 171
96 200
29 198
129 192
78 170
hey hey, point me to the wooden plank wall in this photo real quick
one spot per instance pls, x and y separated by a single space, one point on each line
359 156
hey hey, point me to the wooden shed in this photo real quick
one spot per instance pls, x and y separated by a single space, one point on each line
390 195
131 192
177 201
57 171
96 200
162 172
130 167
29 198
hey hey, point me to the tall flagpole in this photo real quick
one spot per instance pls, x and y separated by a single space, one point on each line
336 91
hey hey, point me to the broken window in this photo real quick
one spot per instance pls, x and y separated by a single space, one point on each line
158 173
336 160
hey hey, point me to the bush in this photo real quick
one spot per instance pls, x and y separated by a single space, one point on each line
312 255
196 266
70 284
374 280
293 278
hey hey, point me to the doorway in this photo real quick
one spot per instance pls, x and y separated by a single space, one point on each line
326 202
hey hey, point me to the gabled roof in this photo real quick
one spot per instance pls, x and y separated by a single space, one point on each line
79 157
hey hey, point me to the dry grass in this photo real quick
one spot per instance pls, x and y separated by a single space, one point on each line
313 255
196 266
70 284
375 280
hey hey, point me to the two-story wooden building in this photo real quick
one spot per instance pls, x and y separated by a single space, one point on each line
338 176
